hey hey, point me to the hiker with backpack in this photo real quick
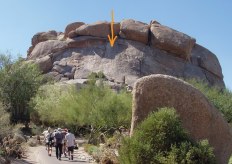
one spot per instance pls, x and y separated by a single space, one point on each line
50 143
48 137
58 143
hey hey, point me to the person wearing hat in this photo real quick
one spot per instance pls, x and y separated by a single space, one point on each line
58 143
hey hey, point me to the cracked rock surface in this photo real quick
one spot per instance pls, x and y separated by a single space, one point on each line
140 50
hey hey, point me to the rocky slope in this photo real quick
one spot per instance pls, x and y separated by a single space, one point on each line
141 49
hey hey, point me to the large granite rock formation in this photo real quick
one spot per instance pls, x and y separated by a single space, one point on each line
134 30
171 41
72 28
140 50
199 117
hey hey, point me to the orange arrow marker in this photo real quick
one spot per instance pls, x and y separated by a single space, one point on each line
113 38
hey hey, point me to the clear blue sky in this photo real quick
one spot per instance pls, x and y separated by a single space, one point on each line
209 21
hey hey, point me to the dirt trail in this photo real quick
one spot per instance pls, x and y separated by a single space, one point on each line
38 155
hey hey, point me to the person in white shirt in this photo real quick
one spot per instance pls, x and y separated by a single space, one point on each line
49 140
70 142
45 134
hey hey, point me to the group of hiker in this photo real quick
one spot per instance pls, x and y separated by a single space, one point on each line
62 139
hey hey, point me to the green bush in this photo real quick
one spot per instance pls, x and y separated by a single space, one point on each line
220 98
97 75
5 127
19 82
36 130
161 139
230 160
91 149
93 105
189 153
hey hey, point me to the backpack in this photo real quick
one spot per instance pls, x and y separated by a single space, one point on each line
50 137
58 137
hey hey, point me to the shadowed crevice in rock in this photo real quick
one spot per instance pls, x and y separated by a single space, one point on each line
199 117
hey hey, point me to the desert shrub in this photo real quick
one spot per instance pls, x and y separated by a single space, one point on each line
161 139
19 82
93 150
114 141
187 152
230 160
108 152
220 98
32 142
13 146
200 153
94 75
108 156
36 130
102 154
11 137
93 105
4 122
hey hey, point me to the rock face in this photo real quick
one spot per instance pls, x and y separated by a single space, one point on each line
199 117
139 50
134 30
98 29
72 27
207 60
45 64
43 36
47 47
171 40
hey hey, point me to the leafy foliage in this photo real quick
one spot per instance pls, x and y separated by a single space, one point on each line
4 122
19 81
161 139
220 98
93 105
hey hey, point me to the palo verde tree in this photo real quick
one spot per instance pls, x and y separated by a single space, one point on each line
19 82
95 105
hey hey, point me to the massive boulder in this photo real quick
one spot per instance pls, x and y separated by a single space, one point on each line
46 48
72 27
43 36
205 59
199 117
134 30
98 29
170 40
44 63
135 53
85 42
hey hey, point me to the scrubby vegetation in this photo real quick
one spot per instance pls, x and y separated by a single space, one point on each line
102 109
220 98
99 111
161 139
13 143
4 122
19 82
